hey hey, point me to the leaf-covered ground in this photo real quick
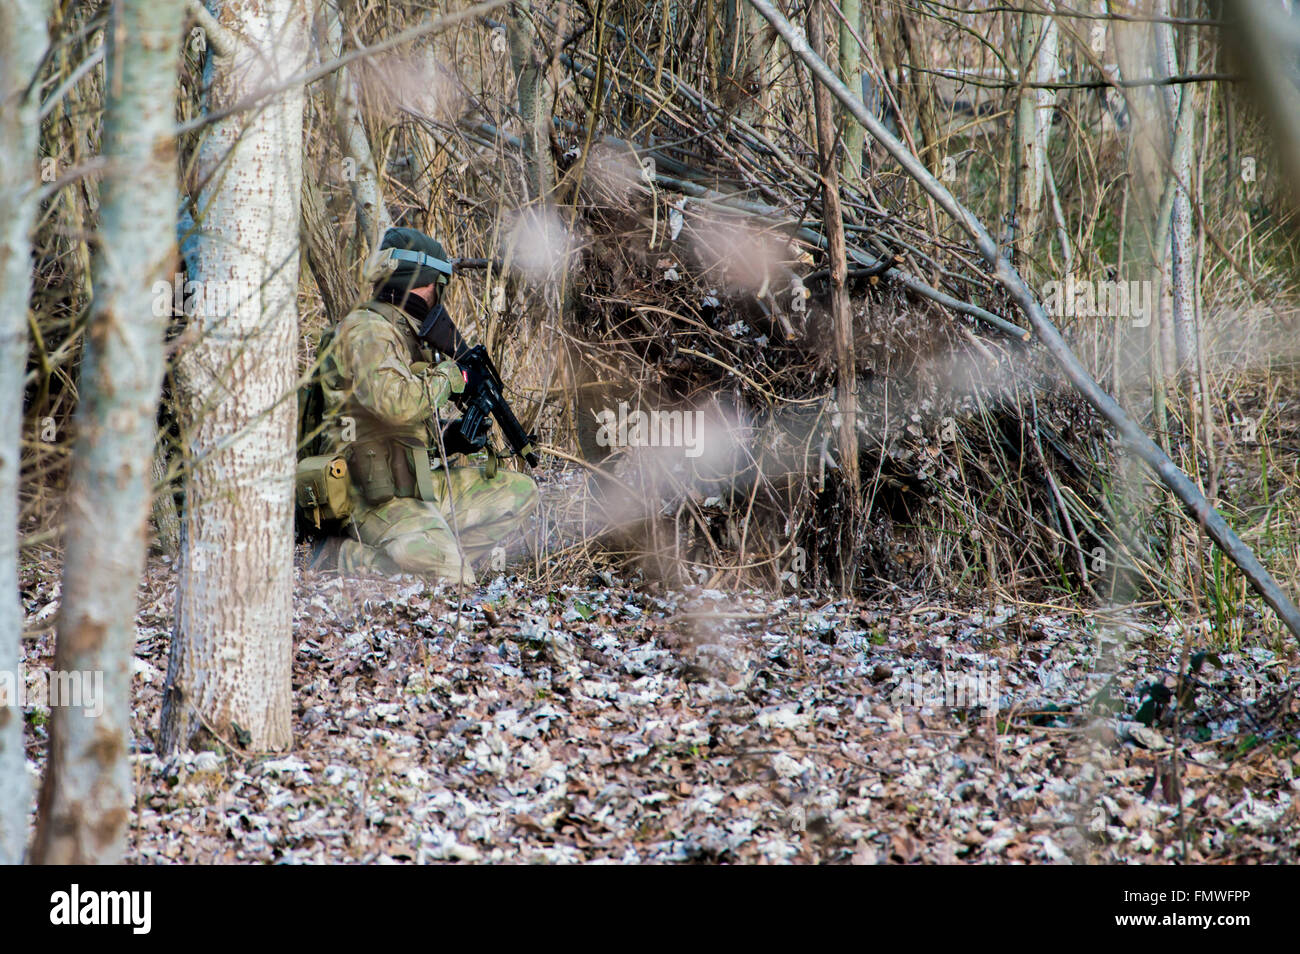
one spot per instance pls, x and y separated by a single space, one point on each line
604 723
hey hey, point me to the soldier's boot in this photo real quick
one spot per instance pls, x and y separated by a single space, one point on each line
357 559
325 555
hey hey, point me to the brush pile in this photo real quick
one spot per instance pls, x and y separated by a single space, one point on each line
688 275
975 467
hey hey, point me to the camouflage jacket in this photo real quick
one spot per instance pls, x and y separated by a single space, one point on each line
378 386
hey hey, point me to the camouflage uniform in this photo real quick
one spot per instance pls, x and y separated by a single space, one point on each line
380 398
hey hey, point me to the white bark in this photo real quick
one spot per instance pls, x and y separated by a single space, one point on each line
364 176
86 797
22 41
1040 62
232 650
1180 268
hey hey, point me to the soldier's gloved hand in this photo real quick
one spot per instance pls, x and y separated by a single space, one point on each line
454 376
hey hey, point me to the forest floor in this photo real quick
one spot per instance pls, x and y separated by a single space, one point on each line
606 723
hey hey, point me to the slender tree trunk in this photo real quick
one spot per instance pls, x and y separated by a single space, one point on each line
232 649
166 515
1039 63
1180 102
359 162
921 87
86 798
1148 174
733 52
530 92
764 64
851 72
841 312
333 280
22 42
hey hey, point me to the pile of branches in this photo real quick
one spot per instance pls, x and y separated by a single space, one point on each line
977 471
697 281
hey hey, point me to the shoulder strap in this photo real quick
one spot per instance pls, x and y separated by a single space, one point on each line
386 310
311 399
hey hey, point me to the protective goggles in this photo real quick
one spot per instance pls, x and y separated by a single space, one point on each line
440 265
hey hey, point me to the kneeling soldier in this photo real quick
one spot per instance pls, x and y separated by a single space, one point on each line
380 396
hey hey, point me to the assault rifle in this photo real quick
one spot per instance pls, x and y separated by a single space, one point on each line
482 398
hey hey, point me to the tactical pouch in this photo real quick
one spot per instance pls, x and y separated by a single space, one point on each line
417 461
372 467
322 488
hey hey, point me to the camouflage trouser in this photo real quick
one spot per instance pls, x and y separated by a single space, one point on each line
409 535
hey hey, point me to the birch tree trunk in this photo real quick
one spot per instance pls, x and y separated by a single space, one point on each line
86 797
1039 63
22 43
532 102
360 171
231 651
1180 271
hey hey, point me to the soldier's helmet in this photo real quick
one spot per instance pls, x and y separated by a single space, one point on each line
411 259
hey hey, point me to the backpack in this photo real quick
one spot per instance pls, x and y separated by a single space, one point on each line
321 486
